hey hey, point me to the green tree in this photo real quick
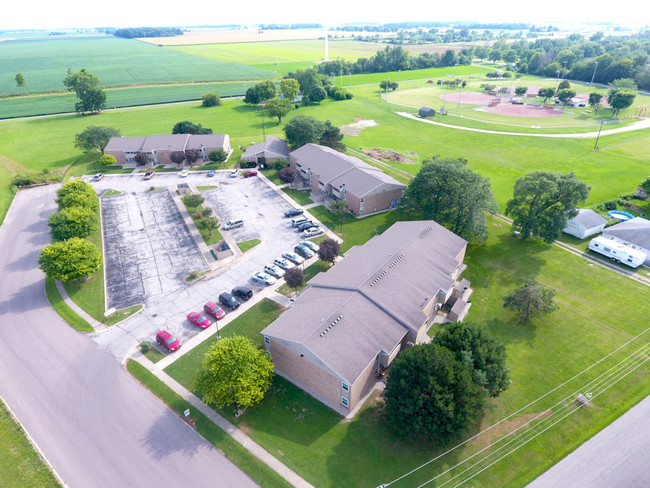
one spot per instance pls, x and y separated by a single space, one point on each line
70 260
73 222
187 127
77 192
328 250
448 191
473 345
332 137
86 86
432 396
594 101
521 90
251 96
107 160
290 88
545 93
530 301
279 108
94 138
218 156
20 81
210 99
543 202
564 84
565 95
317 94
193 200
261 92
234 372
339 208
645 185
209 223
303 129
620 99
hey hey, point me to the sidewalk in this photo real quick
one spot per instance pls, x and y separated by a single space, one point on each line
95 324
255 449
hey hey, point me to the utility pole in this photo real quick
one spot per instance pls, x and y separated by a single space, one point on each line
601 128
594 73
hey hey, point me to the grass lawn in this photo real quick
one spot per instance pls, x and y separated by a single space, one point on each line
300 196
310 271
65 312
247 245
152 354
207 187
209 237
328 451
258 471
272 175
20 465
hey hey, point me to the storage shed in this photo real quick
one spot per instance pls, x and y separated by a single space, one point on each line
586 223
427 112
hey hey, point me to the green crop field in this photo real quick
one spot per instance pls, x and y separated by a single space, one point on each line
115 61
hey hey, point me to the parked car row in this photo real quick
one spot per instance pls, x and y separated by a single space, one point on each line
306 226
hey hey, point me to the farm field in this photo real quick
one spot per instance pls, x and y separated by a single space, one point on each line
115 61
328 451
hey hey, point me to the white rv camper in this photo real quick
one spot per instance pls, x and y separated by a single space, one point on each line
617 251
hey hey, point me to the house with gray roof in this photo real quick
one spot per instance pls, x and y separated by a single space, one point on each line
586 223
329 173
348 325
158 148
634 233
271 149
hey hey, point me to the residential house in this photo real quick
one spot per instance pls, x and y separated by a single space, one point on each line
271 150
158 148
329 173
348 325
634 233
586 223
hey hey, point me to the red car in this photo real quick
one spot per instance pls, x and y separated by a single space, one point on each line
197 319
215 310
168 341
248 174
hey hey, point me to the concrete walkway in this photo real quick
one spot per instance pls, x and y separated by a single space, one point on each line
204 250
251 446
95 324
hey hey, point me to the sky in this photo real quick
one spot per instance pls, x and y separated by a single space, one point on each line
52 14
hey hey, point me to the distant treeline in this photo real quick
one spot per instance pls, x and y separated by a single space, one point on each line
290 26
397 26
132 32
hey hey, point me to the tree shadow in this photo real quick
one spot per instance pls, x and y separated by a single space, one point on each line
17 301
167 435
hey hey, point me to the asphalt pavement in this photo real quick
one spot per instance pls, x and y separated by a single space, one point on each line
93 422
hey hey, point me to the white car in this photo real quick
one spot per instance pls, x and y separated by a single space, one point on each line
283 263
274 270
185 173
293 257
234 173
264 278
312 231
311 245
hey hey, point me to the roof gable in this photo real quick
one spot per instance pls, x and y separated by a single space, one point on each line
635 231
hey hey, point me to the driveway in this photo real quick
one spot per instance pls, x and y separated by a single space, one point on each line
250 199
95 424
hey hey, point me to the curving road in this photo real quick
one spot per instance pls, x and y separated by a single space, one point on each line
95 424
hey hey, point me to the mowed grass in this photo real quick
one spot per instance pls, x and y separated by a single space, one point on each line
20 464
115 61
328 451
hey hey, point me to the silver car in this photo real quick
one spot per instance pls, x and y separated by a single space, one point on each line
264 278
293 257
283 263
274 270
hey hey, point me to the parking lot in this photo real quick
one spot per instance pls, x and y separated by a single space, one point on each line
166 296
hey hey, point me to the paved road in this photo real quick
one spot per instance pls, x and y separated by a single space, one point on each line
94 423
618 456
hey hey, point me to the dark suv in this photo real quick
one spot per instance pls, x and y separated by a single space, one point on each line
228 301
242 292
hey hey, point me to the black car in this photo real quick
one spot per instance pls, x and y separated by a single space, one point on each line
242 292
306 225
228 301
293 212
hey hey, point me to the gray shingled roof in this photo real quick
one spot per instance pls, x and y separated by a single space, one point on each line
125 144
588 218
177 142
635 231
379 290
272 145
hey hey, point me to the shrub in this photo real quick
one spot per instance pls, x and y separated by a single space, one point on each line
211 100
610 205
279 164
145 347
287 175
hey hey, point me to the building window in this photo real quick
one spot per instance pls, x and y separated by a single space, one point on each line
267 340
344 402
345 386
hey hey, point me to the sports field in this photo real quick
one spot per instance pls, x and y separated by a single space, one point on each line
115 61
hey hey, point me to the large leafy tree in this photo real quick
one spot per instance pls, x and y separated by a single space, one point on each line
294 278
531 300
234 372
565 95
620 99
473 345
218 155
289 88
73 222
328 250
332 137
449 192
260 92
594 101
543 202
86 86
430 395
77 193
187 127
339 208
317 94
279 108
303 129
107 160
545 93
20 81
210 99
70 260
95 138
